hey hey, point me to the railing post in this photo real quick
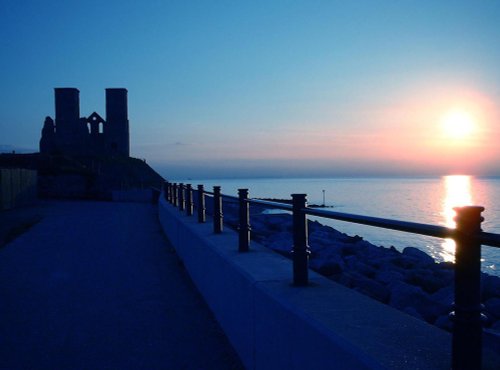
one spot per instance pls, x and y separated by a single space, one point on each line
189 200
217 210
174 193
169 192
165 190
182 202
201 204
244 226
467 318
300 247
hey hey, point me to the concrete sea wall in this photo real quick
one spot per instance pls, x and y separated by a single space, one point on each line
274 325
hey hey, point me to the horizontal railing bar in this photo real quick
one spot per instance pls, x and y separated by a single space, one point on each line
485 238
229 197
410 227
493 240
276 205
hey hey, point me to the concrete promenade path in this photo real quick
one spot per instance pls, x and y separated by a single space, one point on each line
96 285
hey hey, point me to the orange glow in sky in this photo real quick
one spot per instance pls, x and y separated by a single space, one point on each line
424 130
429 129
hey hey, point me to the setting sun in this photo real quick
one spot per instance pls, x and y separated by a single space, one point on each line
458 124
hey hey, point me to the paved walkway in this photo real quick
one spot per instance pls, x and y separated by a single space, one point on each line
95 285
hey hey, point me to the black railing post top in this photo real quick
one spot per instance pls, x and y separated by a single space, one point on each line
218 224
200 186
188 186
299 199
244 221
467 322
300 246
469 218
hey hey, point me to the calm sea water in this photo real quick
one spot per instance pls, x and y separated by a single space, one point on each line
429 200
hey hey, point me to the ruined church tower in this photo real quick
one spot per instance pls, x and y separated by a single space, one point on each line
116 128
67 101
70 134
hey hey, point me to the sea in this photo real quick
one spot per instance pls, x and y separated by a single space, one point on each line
422 200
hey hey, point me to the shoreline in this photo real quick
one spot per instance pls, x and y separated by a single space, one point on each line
289 201
412 200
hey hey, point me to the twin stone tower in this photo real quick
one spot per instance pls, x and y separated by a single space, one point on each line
73 135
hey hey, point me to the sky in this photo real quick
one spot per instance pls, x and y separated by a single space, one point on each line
267 88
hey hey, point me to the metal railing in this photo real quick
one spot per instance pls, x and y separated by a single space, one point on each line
466 315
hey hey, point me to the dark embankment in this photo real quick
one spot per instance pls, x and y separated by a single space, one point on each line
84 177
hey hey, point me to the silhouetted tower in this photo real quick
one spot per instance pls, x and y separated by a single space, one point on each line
67 105
116 128
67 118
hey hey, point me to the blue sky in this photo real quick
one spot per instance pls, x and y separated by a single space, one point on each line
262 88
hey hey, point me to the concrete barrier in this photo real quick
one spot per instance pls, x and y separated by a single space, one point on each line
274 325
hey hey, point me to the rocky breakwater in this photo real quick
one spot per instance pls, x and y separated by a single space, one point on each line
410 281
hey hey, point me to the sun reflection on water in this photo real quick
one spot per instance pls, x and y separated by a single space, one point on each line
457 193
